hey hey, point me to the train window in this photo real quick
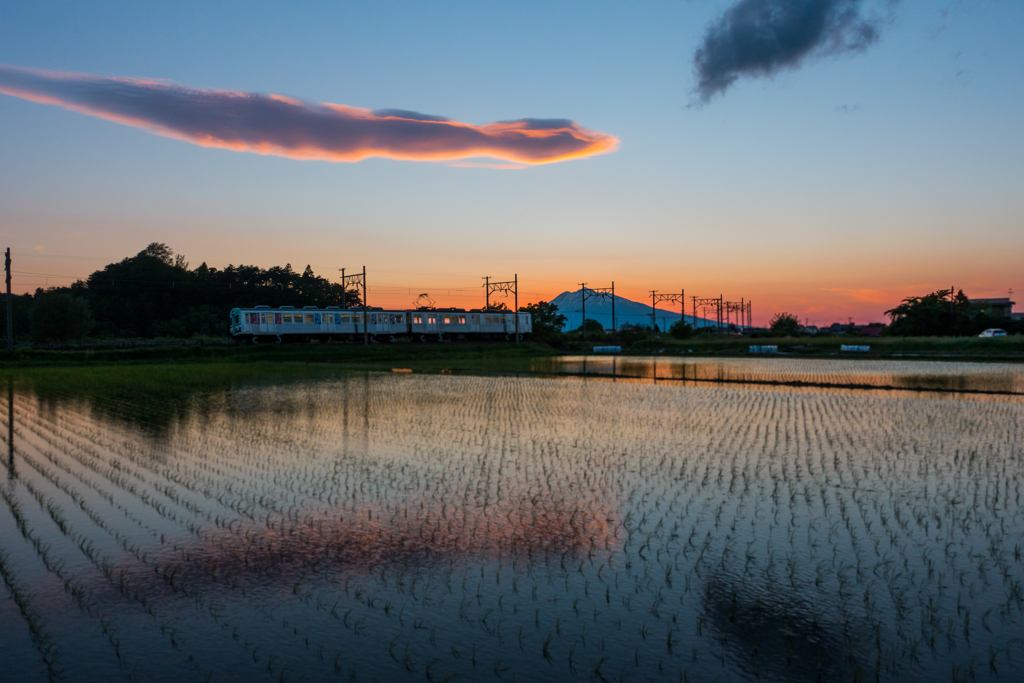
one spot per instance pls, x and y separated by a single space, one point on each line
462 320
344 317
309 317
277 318
398 318
316 318
447 320
357 318
287 317
417 319
337 318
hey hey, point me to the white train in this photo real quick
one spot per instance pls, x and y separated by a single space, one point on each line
263 324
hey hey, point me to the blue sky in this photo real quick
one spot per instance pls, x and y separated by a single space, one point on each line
829 190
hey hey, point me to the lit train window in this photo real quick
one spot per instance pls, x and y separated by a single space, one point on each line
344 318
417 319
447 320
462 320
398 318
309 317
287 317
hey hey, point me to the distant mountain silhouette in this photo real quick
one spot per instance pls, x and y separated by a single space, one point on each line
599 308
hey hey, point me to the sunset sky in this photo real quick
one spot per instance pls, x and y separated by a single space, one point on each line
877 153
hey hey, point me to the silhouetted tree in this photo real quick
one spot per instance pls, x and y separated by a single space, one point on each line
681 329
941 313
59 317
547 322
784 325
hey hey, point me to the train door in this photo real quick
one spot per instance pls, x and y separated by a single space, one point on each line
431 322
384 321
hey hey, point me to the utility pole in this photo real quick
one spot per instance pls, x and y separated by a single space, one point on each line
515 284
654 294
951 290
682 306
679 298
10 303
357 280
342 287
614 328
509 287
602 292
583 301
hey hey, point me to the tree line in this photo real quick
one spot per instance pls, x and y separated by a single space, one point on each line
942 313
156 294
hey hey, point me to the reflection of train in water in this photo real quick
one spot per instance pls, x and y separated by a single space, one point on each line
262 324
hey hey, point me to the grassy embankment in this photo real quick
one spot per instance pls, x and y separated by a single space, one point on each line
512 357
347 354
965 348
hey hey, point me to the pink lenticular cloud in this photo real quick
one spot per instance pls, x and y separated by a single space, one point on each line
286 127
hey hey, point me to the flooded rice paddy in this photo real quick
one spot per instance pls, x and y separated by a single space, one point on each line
381 526
994 378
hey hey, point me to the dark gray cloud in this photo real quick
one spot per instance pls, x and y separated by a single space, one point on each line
762 37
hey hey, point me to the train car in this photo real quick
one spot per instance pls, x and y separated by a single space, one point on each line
262 324
459 324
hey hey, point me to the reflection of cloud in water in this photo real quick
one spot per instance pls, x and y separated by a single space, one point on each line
772 633
414 535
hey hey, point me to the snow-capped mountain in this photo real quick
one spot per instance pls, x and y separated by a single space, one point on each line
599 308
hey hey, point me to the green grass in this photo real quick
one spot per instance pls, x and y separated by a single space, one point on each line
507 357
286 353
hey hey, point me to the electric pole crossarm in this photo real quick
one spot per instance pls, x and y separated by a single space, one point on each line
357 280
507 287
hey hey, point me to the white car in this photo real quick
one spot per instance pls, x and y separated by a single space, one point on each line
993 332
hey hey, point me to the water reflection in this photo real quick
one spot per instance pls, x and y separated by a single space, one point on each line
382 525
775 633
10 429
998 378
